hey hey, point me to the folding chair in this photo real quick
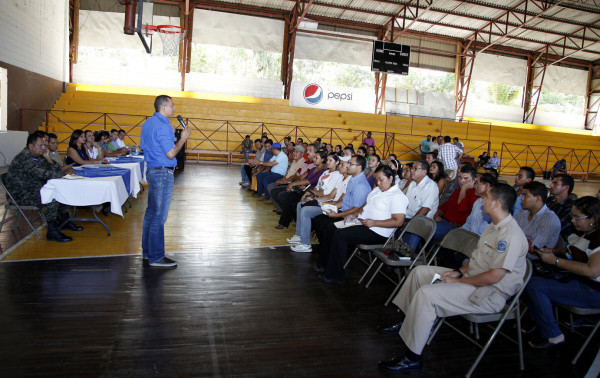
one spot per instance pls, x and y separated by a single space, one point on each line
582 311
420 225
368 248
511 311
458 240
11 204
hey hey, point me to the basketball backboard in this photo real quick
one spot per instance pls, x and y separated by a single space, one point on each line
144 18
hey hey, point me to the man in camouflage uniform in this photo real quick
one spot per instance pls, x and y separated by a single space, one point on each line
27 173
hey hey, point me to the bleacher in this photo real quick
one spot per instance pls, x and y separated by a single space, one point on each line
220 122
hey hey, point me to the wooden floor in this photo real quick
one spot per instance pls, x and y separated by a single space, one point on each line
229 309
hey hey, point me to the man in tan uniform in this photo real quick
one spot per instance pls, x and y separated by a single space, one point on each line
492 275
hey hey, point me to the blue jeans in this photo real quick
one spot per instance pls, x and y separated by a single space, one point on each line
409 238
160 190
244 175
541 293
303 221
443 227
263 180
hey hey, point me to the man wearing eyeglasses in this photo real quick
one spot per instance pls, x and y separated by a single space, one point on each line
423 198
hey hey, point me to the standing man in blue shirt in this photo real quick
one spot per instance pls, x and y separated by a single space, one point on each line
157 141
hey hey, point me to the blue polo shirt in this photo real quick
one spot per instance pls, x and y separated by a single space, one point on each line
157 139
356 192
282 163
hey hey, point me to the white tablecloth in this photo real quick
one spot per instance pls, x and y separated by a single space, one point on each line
135 177
87 192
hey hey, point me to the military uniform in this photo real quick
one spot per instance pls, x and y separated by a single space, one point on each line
501 245
26 176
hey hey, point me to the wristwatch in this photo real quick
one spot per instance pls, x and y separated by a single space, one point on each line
460 274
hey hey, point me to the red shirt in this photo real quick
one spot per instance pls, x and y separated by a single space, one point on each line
458 212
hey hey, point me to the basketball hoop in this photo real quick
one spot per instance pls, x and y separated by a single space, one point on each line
171 36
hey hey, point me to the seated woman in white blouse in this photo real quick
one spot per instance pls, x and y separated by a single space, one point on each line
331 194
384 211
93 150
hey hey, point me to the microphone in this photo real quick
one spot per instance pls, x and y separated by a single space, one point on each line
180 119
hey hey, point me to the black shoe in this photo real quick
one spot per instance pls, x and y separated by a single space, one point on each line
71 226
145 260
400 365
545 347
330 280
319 269
391 330
54 234
165 262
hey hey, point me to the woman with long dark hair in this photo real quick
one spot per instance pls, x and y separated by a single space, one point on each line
580 286
76 152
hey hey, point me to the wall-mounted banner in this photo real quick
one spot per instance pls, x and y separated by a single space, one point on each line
321 96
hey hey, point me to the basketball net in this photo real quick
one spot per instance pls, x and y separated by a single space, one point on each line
171 36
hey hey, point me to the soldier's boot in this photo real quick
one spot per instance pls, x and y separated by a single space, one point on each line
69 225
54 234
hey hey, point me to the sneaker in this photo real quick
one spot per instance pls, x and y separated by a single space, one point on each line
294 239
165 262
302 248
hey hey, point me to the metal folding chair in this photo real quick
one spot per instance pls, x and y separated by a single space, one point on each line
11 204
511 311
582 311
420 225
368 248
458 240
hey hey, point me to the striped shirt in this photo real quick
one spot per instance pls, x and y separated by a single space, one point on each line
543 230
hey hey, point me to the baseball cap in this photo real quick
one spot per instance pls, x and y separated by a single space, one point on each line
277 145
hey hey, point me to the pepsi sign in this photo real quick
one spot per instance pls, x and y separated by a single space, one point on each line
313 93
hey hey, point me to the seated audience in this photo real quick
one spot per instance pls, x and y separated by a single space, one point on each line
332 191
246 170
29 170
278 164
354 198
247 147
93 150
121 139
76 152
52 148
368 140
540 225
560 202
483 159
494 162
338 150
423 199
437 174
476 222
373 161
361 151
348 151
392 157
430 157
498 275
384 211
406 177
295 190
454 212
525 175
493 172
370 152
258 168
452 184
103 138
560 167
298 170
113 146
394 166
580 286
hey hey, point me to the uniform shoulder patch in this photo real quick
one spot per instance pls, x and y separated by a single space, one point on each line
501 246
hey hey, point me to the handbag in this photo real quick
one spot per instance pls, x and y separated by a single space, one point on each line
551 272
398 248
